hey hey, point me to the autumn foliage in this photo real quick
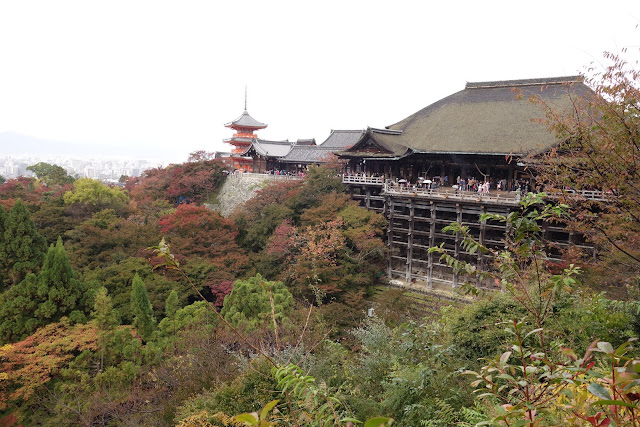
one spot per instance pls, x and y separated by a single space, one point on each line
33 362
193 182
600 152
195 231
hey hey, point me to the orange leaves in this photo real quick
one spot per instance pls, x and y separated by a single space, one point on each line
31 363
323 241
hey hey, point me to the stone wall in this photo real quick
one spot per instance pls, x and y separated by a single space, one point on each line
240 187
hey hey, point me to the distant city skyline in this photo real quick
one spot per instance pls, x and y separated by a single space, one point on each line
127 79
106 170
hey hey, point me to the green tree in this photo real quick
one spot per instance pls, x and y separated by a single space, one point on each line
51 174
171 306
23 249
249 303
44 298
105 319
92 195
197 314
143 319
51 218
2 179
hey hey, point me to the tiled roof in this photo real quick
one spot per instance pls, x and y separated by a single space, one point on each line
341 139
266 148
378 143
307 154
245 120
238 139
311 141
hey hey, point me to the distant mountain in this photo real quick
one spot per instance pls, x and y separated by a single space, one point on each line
15 144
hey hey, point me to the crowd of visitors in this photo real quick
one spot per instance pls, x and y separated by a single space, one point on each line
461 184
299 173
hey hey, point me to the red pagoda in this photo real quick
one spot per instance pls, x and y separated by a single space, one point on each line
245 127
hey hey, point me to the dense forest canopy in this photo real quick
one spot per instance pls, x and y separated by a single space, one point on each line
141 306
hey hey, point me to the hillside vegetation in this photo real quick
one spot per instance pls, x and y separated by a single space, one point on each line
140 306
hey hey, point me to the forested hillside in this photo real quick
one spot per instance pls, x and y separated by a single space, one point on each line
140 306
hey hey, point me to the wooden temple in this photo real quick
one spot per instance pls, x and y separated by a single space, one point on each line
452 161
245 127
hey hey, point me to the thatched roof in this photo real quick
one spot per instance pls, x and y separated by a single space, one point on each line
494 118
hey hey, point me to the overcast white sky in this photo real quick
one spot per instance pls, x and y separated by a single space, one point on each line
168 75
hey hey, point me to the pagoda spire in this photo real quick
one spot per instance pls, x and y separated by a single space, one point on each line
245 128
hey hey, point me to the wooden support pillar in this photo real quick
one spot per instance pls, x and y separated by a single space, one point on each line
390 239
510 177
385 206
456 252
367 197
481 239
432 243
409 270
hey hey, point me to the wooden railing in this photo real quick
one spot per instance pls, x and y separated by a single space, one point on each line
595 195
502 197
365 180
264 176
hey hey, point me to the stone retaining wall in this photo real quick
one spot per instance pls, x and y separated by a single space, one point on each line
238 188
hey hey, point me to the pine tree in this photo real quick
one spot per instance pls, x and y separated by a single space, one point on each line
57 285
143 318
170 308
105 318
23 249
44 298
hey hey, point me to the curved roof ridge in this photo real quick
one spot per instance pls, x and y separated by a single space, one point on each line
278 142
385 131
245 120
525 82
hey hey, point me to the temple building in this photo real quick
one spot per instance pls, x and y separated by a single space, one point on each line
267 155
295 157
245 127
302 156
475 133
454 160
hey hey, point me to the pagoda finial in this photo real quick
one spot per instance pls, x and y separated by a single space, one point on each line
245 97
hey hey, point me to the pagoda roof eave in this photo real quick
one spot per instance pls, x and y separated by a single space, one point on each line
245 121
